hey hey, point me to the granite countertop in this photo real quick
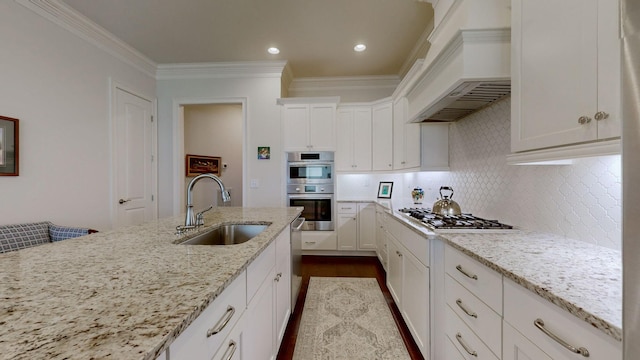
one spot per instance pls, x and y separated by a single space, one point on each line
121 294
581 278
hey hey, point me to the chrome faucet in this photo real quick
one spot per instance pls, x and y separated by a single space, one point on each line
190 219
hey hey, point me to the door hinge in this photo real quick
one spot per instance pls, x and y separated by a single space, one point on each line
151 118
152 197
152 158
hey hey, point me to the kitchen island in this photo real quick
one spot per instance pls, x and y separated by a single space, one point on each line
121 294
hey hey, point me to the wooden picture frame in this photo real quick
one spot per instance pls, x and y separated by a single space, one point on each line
200 164
9 149
384 189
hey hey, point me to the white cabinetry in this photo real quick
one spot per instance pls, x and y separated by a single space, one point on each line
356 226
434 143
408 280
382 130
473 296
381 240
565 73
269 301
539 327
319 240
406 138
206 334
308 126
353 138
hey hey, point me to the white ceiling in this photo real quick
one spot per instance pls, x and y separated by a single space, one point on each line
316 36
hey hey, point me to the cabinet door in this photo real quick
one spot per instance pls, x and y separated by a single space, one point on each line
415 300
609 69
362 140
381 241
382 137
322 120
399 118
411 145
282 284
517 347
394 272
295 123
231 349
344 140
258 343
554 72
366 226
347 231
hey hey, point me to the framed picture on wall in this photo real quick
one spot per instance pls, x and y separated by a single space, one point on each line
9 146
384 189
264 152
200 164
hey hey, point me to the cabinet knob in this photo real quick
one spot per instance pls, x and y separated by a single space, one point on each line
584 120
600 115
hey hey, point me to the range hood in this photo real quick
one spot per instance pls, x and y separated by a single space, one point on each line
468 66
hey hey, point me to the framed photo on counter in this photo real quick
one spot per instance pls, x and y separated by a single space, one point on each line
384 189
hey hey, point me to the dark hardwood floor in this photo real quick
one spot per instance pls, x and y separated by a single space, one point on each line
342 267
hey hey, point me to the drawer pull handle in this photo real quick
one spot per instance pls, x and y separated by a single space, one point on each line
465 273
466 311
465 346
222 322
230 350
540 325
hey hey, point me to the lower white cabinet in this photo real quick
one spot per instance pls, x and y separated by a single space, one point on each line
551 330
231 348
408 282
381 240
319 240
356 226
269 308
206 334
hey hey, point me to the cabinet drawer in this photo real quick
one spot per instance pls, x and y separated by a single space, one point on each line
259 269
199 339
319 240
483 282
465 340
347 208
231 346
522 308
479 317
416 244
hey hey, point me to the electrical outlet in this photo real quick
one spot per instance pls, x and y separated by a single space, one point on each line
254 184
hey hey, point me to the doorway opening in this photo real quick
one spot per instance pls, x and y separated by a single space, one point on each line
213 129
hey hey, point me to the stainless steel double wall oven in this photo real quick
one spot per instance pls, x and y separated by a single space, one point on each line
310 184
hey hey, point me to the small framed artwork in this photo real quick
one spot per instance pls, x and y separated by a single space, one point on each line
264 152
9 146
199 164
384 189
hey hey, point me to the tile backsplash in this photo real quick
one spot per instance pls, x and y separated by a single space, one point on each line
580 201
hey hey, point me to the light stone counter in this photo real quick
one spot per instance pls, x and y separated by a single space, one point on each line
581 278
122 294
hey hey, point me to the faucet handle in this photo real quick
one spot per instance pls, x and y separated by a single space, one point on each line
200 216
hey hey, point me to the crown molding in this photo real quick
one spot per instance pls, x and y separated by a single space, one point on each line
419 50
346 83
240 69
68 18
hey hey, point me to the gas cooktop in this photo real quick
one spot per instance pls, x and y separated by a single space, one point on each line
453 223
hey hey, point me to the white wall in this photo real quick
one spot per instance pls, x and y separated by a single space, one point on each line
57 84
215 130
263 129
580 201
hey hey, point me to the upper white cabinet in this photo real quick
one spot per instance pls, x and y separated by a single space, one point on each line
565 73
309 124
382 130
353 137
406 138
364 137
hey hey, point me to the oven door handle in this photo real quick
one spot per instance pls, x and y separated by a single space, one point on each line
307 163
310 196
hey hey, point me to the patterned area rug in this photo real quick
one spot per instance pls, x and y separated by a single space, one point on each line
347 318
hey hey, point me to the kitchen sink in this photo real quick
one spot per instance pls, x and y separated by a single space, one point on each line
230 234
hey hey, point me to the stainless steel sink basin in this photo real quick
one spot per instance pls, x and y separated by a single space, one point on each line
227 235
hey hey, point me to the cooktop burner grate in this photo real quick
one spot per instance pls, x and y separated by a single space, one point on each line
462 221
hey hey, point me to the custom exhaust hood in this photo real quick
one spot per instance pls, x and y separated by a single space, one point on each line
468 64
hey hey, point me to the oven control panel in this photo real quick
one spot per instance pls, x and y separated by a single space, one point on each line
310 189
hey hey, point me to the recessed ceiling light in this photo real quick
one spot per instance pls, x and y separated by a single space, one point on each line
360 47
273 50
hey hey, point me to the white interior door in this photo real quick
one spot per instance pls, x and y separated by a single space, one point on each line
135 155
